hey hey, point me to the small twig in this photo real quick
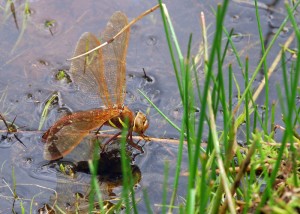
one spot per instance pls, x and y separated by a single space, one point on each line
154 139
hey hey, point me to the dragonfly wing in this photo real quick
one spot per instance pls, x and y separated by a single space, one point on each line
63 145
69 131
86 70
114 60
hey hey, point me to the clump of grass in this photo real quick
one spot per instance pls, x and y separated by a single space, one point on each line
224 177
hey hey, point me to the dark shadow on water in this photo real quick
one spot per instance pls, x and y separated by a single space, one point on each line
74 188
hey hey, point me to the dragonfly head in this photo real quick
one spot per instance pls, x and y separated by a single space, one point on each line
140 123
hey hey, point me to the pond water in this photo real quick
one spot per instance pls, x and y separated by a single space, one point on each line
34 49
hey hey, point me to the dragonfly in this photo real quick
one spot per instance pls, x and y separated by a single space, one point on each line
101 73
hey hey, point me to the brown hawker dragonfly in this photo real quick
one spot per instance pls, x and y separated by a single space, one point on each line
102 72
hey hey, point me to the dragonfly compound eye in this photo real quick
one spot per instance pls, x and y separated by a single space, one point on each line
140 123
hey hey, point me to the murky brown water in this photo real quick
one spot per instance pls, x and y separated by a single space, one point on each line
27 80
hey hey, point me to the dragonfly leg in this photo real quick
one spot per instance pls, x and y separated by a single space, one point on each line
128 139
98 130
131 143
110 139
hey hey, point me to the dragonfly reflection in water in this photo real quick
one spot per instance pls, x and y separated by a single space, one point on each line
102 72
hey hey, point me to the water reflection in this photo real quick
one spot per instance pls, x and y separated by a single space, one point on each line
74 190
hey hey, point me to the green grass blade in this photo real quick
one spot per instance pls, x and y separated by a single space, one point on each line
46 109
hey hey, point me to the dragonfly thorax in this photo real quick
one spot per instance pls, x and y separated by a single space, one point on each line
124 120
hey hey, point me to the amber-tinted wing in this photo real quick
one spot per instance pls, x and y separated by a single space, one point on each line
69 131
86 70
114 61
